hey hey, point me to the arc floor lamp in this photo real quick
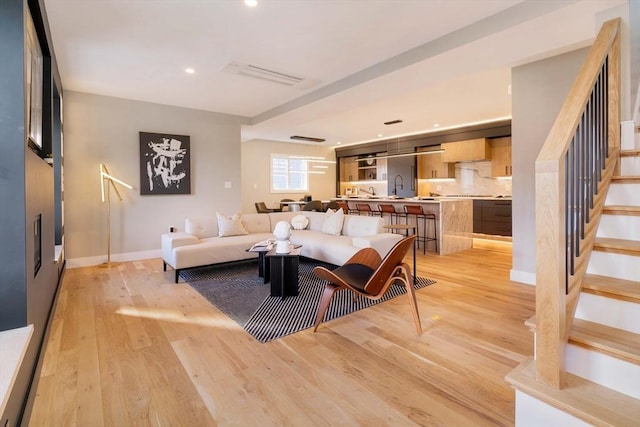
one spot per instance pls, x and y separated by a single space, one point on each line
106 197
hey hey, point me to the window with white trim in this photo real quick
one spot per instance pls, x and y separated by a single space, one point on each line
288 175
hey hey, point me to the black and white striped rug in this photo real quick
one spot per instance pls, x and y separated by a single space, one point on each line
237 291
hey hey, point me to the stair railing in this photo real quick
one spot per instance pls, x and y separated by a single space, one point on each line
573 171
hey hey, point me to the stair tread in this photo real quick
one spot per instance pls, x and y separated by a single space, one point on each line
629 153
591 402
621 210
625 246
616 342
619 343
625 179
613 286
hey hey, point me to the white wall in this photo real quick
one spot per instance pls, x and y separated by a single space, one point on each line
634 49
256 155
100 129
538 91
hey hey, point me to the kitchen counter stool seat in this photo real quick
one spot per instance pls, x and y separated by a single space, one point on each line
390 210
419 214
365 208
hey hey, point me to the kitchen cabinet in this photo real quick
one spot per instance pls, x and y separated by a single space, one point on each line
477 216
431 166
367 169
348 169
466 151
367 173
382 169
501 157
492 217
355 169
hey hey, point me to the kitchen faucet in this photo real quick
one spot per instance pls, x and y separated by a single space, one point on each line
395 184
371 191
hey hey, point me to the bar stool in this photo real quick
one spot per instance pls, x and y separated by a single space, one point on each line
364 207
344 206
388 209
417 211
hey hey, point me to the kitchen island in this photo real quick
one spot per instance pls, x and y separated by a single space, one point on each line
454 217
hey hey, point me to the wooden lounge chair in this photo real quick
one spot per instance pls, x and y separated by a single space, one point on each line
366 274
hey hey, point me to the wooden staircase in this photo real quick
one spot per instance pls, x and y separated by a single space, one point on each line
602 383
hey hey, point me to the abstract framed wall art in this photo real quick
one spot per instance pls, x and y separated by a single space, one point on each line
165 164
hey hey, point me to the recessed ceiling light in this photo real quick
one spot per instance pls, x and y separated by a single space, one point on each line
189 70
338 143
379 135
436 125
251 3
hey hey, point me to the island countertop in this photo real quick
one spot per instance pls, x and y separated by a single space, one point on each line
436 199
454 217
384 199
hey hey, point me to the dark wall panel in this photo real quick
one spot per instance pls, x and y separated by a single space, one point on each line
26 192
13 293
12 177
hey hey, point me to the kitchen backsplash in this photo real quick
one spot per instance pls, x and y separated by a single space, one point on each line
471 178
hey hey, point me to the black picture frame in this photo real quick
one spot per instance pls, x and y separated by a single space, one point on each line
165 164
34 81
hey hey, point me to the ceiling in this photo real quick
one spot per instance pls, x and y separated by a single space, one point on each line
426 62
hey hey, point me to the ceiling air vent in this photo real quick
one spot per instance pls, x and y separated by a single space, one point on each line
307 138
262 73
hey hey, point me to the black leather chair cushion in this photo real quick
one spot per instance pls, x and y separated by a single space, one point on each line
356 275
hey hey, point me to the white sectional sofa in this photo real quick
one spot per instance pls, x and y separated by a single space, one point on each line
200 243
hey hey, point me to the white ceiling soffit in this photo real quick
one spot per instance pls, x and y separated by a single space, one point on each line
361 62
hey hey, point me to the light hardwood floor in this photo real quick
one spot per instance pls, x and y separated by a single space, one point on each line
130 347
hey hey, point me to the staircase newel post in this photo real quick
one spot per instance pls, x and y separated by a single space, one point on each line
550 273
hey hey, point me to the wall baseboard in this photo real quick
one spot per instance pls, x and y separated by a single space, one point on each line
523 277
123 257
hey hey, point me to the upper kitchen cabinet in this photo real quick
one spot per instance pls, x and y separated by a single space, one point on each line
466 151
431 166
349 169
501 157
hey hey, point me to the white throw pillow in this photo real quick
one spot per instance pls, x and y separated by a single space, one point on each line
230 226
299 222
332 223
